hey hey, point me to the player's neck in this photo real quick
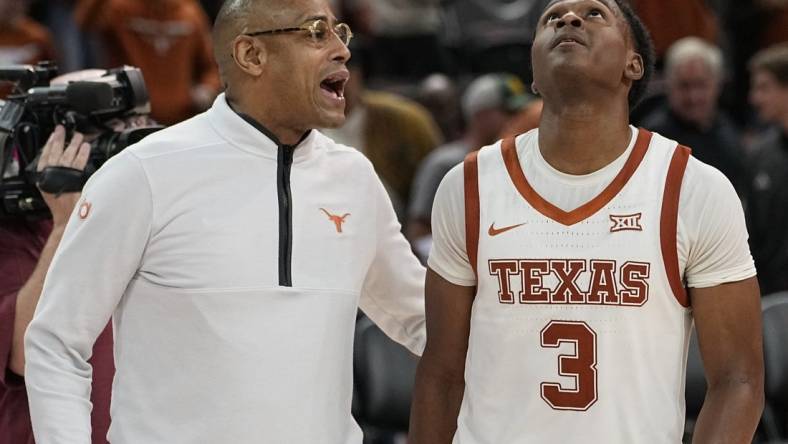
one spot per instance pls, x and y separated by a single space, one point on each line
584 137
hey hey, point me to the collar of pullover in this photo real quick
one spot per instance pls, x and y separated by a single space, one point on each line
249 135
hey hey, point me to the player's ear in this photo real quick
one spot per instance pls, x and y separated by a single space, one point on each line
249 55
635 68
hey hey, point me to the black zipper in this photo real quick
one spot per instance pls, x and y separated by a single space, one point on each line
284 162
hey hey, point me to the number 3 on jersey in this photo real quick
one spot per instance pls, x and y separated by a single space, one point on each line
581 365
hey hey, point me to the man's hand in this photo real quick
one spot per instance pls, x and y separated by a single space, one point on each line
55 153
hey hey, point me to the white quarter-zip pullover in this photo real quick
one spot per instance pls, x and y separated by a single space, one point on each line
180 240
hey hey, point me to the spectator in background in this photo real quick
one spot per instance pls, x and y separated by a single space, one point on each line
694 76
670 20
488 104
404 34
525 120
74 49
492 35
439 94
22 40
394 132
768 197
169 40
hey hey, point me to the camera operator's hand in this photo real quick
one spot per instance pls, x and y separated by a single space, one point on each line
55 153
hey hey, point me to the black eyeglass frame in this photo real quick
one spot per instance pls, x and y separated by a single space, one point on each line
312 28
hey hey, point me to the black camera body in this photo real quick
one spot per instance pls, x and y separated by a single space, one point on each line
29 115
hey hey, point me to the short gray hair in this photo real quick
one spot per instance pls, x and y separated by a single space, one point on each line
232 18
694 48
235 11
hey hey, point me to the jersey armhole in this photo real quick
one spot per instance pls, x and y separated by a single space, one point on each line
471 176
669 223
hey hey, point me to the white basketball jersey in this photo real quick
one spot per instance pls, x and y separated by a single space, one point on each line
580 324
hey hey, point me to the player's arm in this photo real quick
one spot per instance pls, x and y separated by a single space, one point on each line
440 376
725 304
393 291
55 153
99 254
728 321
449 294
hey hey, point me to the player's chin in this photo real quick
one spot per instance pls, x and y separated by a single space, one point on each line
570 58
570 67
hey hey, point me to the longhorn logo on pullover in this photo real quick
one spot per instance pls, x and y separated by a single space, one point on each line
338 220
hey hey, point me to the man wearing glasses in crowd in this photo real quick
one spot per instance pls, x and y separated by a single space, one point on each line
232 251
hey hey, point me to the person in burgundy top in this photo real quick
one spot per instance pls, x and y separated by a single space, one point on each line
26 249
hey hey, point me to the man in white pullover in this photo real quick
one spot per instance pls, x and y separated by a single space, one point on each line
232 251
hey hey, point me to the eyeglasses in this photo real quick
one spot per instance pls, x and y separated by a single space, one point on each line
319 30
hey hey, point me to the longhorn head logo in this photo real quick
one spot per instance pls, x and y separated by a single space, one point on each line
338 220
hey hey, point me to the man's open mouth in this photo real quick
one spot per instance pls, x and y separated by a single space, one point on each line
334 84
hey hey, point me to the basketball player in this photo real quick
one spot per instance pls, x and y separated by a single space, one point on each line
556 302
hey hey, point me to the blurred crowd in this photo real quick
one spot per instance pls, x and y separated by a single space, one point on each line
435 79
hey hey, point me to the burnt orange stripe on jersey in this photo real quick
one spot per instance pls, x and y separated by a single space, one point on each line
669 221
471 171
509 152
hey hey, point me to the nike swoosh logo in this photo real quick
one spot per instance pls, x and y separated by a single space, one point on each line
496 231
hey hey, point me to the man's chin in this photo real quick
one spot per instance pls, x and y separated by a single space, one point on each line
333 120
